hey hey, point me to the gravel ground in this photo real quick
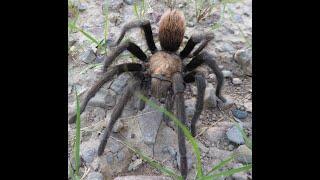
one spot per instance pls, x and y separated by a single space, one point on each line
218 137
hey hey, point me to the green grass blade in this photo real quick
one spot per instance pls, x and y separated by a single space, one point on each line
232 171
70 25
184 130
135 8
77 147
221 164
88 36
152 162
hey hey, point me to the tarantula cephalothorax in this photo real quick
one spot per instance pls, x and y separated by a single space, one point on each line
163 73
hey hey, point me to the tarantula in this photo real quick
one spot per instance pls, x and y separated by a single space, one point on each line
163 73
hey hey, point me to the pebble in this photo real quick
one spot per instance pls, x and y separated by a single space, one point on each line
170 150
244 154
109 158
214 134
239 114
87 56
129 2
244 58
190 24
236 81
219 154
230 147
95 176
121 156
248 106
226 73
194 90
117 126
135 165
212 76
83 6
88 155
234 135
120 82
149 129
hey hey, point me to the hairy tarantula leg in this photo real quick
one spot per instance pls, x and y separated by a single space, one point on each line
208 59
105 78
116 113
202 38
132 47
146 26
201 87
178 89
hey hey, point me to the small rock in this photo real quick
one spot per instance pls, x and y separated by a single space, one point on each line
170 150
95 176
227 48
99 59
230 147
238 18
109 158
190 107
87 56
115 19
244 154
219 154
129 2
236 81
113 4
103 99
120 82
226 73
215 134
234 135
244 58
134 157
194 90
248 106
239 114
88 155
210 100
190 24
121 155
149 124
117 126
181 5
83 6
212 76
135 165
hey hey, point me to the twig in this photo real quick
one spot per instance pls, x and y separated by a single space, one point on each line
85 173
208 127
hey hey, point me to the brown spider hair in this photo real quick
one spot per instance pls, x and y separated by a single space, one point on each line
171 30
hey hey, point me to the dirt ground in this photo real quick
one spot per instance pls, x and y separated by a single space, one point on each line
232 28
